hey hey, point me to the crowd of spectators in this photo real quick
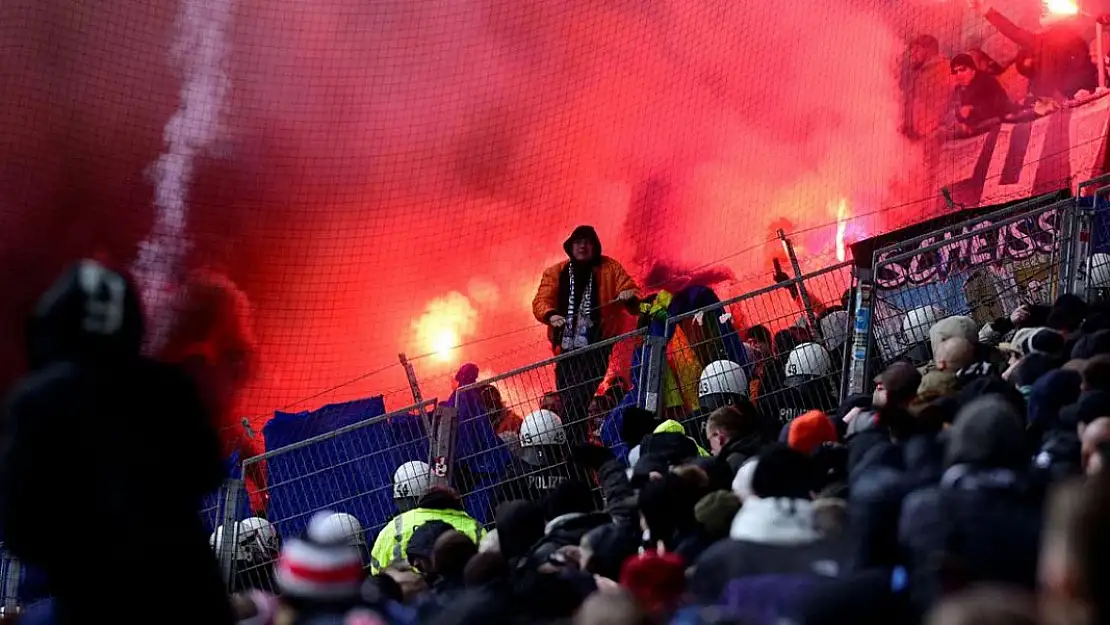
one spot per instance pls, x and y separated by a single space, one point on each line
971 91
970 487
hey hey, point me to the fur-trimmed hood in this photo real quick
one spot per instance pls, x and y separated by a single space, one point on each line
775 521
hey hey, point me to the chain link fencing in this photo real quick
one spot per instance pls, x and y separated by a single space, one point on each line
1091 273
788 339
514 431
346 469
984 268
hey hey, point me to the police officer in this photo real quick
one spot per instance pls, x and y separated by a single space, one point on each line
435 504
544 461
807 385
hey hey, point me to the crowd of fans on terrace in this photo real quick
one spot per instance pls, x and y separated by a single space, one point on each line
970 92
970 487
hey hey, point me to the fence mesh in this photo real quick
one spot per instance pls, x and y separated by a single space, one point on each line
538 412
347 470
986 272
350 180
392 177
792 356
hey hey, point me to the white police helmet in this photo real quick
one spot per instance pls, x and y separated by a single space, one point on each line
216 542
542 427
916 324
834 328
256 530
1099 276
412 479
723 376
808 359
337 528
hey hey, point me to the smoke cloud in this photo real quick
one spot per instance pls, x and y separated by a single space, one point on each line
200 50
373 158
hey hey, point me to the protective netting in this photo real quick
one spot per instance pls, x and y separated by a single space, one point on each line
386 177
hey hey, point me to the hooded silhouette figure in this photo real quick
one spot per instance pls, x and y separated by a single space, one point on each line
106 458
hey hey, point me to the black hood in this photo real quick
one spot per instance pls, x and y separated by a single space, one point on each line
584 232
90 314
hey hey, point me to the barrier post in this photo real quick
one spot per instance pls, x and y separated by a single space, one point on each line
229 537
441 438
811 319
861 335
12 575
650 382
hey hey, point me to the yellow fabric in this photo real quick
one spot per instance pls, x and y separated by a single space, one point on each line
670 426
387 549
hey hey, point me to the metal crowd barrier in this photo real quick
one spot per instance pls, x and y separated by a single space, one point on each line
347 470
793 336
579 388
983 267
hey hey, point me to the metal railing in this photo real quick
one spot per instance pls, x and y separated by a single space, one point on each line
983 267
348 470
530 452
789 338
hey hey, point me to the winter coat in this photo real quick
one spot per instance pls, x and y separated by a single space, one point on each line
927 98
95 413
610 279
986 98
566 530
881 475
773 555
1062 63
978 525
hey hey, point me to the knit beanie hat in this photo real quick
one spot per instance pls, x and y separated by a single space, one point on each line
810 430
783 472
715 511
423 540
657 581
742 483
317 570
519 526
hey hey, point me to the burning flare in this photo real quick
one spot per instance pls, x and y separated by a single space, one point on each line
842 217
446 322
1061 7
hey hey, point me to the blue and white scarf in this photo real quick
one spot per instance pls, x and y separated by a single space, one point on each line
576 334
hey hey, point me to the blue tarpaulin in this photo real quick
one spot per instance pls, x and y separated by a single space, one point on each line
349 472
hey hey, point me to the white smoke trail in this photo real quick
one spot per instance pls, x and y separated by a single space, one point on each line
200 50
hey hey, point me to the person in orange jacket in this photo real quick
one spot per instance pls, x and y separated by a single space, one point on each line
582 301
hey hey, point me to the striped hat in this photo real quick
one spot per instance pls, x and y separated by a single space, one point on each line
318 569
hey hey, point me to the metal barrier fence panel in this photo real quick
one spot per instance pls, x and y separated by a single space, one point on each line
984 269
348 470
536 413
1089 261
791 357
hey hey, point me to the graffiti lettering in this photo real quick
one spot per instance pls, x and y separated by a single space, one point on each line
966 249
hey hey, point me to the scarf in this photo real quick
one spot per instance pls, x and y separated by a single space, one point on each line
576 333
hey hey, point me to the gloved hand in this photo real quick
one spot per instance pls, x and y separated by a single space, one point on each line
626 295
591 456
557 321
784 279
